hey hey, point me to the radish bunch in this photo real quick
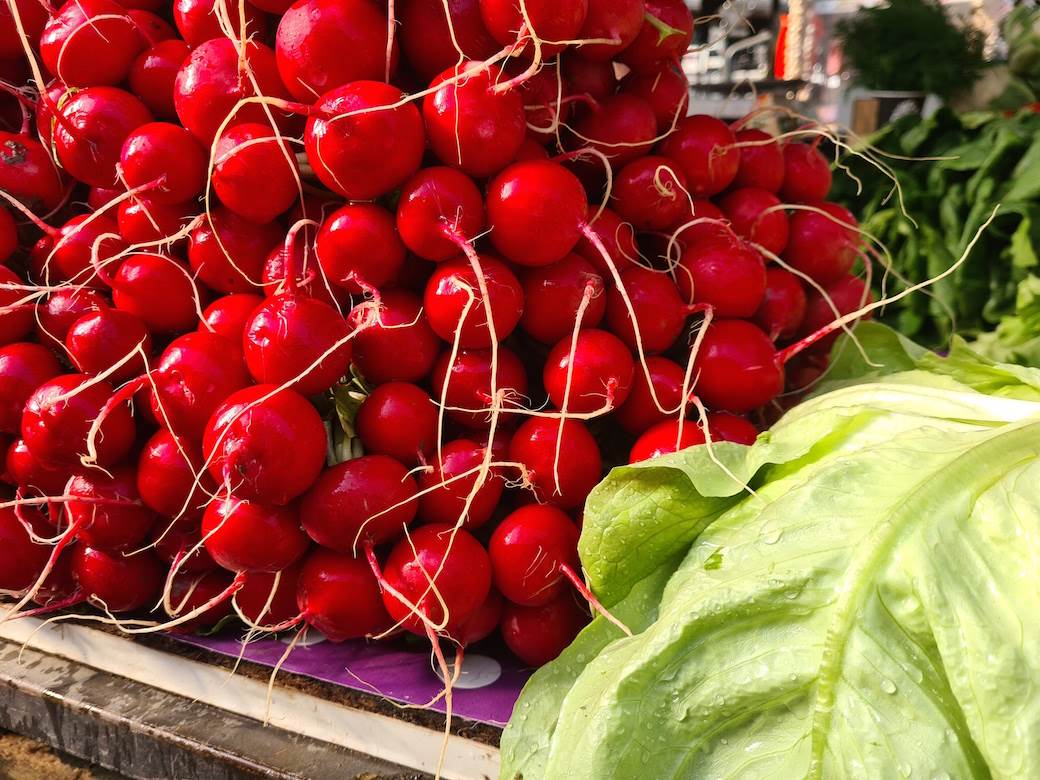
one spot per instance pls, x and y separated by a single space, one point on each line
316 317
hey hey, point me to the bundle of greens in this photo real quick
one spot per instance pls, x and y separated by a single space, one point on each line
985 159
911 45
853 596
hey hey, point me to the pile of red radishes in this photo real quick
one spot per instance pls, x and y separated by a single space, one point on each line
325 314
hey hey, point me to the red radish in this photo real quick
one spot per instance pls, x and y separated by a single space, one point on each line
90 43
366 500
783 308
616 235
177 539
21 559
56 430
17 321
666 437
287 335
62 308
339 596
33 16
166 477
650 193
703 147
153 73
529 551
554 293
737 367
448 491
599 368
100 339
453 286
272 6
622 127
8 236
666 91
640 411
59 589
394 341
847 295
107 512
562 479
663 38
594 78
99 197
823 246
729 276
761 161
267 604
227 315
53 96
68 252
428 40
250 436
159 291
400 420
140 5
729 427
482 623
659 311
145 223
209 85
167 154
197 22
537 635
543 20
807 175
23 368
25 469
196 372
442 572
122 583
315 35
152 27
227 252
189 592
28 173
367 154
470 125
757 216
468 380
614 20
436 203
309 282
246 536
542 94
535 210
358 248
500 444
94 124
804 370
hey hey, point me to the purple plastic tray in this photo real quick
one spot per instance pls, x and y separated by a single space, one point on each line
487 689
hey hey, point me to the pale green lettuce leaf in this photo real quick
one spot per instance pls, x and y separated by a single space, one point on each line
854 596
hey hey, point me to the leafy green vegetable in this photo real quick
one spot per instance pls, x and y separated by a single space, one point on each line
1017 337
911 45
856 597
985 160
